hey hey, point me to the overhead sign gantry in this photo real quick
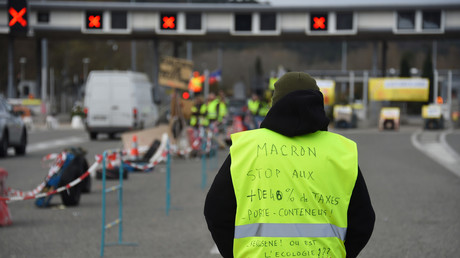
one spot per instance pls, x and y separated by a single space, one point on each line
351 19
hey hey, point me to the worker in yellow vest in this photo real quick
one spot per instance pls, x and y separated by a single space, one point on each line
290 188
195 84
222 107
212 107
195 112
254 106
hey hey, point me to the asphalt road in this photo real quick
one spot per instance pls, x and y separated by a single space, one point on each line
417 203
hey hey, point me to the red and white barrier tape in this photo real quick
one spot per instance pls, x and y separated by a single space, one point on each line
15 195
55 167
150 165
91 170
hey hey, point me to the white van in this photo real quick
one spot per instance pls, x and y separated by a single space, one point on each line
118 101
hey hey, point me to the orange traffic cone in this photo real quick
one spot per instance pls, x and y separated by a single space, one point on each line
134 151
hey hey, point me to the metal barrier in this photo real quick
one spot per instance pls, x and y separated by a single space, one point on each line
119 220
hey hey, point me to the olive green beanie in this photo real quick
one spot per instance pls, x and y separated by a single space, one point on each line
292 81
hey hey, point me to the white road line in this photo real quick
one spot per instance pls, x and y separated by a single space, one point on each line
55 143
440 151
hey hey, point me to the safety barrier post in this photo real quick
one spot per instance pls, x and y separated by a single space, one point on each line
168 178
214 147
119 220
203 160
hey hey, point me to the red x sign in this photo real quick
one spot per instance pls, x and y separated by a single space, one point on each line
17 17
94 21
168 22
319 23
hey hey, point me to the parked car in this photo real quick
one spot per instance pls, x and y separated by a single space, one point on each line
13 132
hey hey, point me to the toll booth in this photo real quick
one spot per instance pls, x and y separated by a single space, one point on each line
344 116
432 117
389 118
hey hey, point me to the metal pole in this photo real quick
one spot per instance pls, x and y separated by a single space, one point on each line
206 83
434 55
351 93
104 158
85 61
374 59
23 62
189 50
52 100
168 179
11 88
133 56
384 58
365 92
120 200
344 64
449 94
435 86
156 69
44 86
203 159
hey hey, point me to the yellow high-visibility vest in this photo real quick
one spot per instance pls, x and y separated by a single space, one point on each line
196 84
253 106
212 110
203 120
194 115
222 112
292 193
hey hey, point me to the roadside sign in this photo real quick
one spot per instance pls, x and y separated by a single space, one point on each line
399 89
327 87
431 111
175 72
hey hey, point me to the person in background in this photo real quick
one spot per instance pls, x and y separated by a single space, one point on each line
195 112
290 188
253 108
222 107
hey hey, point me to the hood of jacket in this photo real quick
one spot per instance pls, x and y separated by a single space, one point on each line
298 113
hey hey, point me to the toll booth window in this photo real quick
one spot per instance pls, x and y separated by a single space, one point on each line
43 17
344 21
267 21
119 20
431 19
318 21
193 21
406 20
243 22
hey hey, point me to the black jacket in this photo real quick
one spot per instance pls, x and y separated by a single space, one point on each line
298 113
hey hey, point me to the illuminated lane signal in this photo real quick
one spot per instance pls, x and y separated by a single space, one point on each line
168 21
185 95
17 16
94 20
318 22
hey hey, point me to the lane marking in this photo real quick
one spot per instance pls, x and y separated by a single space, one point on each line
439 151
34 147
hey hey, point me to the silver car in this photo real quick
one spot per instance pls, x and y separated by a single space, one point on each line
13 131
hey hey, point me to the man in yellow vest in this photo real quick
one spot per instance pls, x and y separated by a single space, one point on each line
195 114
290 188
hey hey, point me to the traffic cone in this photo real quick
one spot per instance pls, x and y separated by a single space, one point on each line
134 151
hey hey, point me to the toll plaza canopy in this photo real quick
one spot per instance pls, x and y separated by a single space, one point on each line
311 20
